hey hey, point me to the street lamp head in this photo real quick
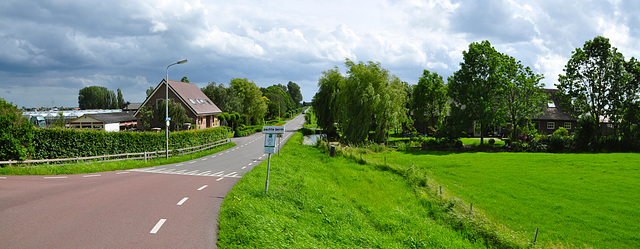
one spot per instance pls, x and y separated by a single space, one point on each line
182 61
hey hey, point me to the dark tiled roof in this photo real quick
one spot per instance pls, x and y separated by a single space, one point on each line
194 98
114 117
557 111
132 106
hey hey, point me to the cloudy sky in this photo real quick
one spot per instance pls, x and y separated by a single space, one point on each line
50 49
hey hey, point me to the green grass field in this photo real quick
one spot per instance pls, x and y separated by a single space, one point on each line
581 200
319 202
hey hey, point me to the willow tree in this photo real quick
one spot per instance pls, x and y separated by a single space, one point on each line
370 99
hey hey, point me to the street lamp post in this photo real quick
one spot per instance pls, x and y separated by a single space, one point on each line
166 104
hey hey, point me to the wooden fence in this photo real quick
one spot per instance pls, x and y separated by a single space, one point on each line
125 156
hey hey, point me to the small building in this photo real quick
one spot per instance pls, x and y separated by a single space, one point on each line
556 114
198 106
115 121
131 107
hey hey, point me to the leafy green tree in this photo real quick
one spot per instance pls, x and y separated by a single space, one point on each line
96 97
225 98
184 79
251 97
278 101
177 113
150 91
146 118
593 81
371 99
429 99
475 89
120 99
523 95
16 133
294 91
325 101
59 121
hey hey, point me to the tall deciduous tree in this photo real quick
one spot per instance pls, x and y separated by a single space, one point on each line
475 88
593 79
523 95
294 91
429 99
251 97
224 97
325 101
120 99
96 97
371 99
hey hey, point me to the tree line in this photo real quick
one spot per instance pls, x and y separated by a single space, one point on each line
489 89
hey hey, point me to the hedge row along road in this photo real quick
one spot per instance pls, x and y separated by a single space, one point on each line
170 206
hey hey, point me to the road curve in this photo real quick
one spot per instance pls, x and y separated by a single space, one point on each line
169 206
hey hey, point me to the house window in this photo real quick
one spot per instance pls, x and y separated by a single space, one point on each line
192 101
551 104
567 125
551 126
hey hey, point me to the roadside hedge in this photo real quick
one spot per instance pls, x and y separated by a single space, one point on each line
69 143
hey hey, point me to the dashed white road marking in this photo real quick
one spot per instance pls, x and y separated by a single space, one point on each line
3 177
182 201
179 164
91 176
158 226
192 162
244 167
203 187
204 159
124 172
55 177
219 179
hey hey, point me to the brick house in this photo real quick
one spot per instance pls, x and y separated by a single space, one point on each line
199 107
556 115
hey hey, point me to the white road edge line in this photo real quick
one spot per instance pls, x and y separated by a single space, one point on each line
158 226
91 176
201 188
182 201
55 177
3 177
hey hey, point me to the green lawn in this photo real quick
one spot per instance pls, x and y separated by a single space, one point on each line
319 202
584 200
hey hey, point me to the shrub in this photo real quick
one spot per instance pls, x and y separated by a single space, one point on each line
492 142
561 132
457 144
557 143
15 133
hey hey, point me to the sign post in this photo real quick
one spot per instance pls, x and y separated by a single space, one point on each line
270 147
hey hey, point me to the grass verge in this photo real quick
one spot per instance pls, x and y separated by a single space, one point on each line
576 200
97 166
319 202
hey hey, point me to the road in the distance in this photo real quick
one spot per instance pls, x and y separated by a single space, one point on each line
170 206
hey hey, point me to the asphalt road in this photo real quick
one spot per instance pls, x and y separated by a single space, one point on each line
170 206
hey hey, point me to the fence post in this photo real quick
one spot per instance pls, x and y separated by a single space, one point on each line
145 156
535 236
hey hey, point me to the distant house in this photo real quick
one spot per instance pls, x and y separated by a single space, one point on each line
115 121
199 107
556 114
131 107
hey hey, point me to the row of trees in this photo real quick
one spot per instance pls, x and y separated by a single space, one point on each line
98 97
490 88
598 82
245 97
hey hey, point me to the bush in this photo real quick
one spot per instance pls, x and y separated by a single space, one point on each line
557 143
492 142
15 133
457 144
561 132
68 143
585 135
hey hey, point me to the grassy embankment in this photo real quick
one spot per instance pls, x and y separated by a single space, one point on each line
319 202
98 166
581 200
